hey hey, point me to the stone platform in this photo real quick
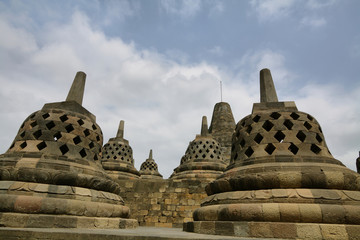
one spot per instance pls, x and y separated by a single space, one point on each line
140 233
275 230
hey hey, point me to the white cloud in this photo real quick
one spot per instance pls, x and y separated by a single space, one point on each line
217 51
317 4
182 8
161 101
272 9
314 22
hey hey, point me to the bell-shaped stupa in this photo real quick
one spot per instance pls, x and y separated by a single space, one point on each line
222 128
149 168
117 157
282 181
50 177
203 158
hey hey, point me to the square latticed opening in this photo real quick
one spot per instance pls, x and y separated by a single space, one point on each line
267 125
63 118
288 124
69 128
83 153
319 138
307 125
275 115
315 149
77 140
80 122
45 116
280 136
249 151
249 129
301 136
294 116
50 125
242 143
293 148
258 138
270 148
64 149
41 146
256 118
37 134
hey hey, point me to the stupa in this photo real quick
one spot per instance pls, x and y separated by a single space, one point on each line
203 158
149 168
222 127
49 177
282 181
117 157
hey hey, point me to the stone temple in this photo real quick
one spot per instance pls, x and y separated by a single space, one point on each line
271 175
282 181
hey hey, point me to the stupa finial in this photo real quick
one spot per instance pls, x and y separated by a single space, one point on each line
267 88
150 154
204 127
120 133
76 92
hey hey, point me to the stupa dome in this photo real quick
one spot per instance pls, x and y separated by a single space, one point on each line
203 157
117 157
51 175
149 168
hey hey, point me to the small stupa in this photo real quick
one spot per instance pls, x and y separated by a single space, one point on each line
282 181
117 157
149 168
50 176
203 158
222 127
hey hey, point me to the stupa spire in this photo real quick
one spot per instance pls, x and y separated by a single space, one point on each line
76 92
120 133
204 127
150 154
267 87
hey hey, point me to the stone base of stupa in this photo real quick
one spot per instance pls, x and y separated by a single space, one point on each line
274 229
36 205
25 220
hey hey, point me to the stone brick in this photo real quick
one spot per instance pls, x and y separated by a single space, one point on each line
308 231
333 231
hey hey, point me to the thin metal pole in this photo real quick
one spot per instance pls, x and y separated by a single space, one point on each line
221 90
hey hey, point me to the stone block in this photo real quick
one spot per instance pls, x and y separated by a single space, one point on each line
271 212
333 231
309 231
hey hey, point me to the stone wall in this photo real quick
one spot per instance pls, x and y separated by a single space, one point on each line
162 202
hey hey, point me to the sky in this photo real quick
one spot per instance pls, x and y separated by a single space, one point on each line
157 65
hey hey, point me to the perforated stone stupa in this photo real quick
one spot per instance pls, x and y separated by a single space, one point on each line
282 181
222 128
50 177
117 157
149 168
203 158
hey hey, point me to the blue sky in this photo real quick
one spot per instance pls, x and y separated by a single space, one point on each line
157 65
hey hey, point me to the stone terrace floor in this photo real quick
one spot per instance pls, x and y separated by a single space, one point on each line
140 233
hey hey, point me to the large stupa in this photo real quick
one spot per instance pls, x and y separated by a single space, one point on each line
51 176
282 181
